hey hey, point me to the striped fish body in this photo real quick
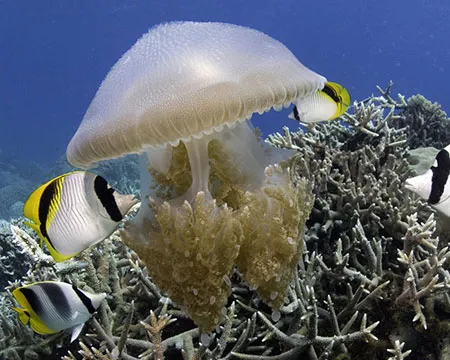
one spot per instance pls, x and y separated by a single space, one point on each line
75 211
52 306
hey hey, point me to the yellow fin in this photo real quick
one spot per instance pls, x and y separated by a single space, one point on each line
26 313
31 207
24 317
55 254
38 326
28 316
21 299
55 201
31 211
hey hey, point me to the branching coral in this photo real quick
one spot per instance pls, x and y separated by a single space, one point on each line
426 266
397 351
13 262
362 213
427 122
372 280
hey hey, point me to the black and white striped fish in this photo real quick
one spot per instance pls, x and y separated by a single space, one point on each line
434 185
52 306
75 211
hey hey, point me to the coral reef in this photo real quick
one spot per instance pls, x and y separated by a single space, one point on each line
428 123
13 261
372 280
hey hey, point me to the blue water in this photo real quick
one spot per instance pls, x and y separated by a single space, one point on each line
54 54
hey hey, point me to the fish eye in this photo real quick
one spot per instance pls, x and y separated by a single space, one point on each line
331 92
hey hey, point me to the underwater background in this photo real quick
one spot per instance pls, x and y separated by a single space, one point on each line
54 54
343 303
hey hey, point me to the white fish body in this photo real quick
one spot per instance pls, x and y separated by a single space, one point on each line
88 224
75 211
313 108
53 306
434 185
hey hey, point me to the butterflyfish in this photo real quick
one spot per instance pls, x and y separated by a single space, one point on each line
53 306
433 186
326 104
74 211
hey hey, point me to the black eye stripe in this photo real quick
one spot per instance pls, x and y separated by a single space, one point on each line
33 300
84 299
54 293
44 207
332 94
296 115
107 199
440 176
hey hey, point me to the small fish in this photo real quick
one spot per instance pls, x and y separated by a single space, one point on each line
326 104
433 186
52 306
75 211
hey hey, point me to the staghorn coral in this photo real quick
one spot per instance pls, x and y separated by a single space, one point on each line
362 215
372 274
137 305
13 262
428 123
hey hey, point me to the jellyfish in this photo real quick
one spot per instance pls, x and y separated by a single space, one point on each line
214 196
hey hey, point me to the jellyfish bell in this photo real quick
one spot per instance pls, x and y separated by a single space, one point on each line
182 97
182 81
